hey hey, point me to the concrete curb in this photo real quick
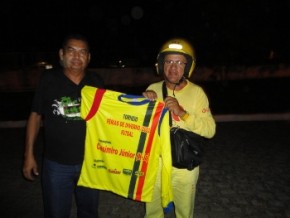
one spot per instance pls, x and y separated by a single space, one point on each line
252 117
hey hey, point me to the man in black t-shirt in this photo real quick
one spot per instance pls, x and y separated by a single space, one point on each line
57 104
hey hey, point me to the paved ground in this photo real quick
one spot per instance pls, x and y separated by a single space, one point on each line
245 174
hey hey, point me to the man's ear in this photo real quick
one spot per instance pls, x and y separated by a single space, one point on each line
60 53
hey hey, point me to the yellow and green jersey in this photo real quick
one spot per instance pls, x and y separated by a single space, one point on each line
126 136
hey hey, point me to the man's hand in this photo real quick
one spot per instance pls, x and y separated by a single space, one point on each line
150 94
173 106
30 169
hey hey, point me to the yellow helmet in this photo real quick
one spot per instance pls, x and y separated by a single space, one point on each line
179 46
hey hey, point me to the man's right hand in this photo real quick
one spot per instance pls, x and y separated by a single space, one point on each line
150 94
30 168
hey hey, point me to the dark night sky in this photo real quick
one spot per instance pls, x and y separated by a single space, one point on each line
223 32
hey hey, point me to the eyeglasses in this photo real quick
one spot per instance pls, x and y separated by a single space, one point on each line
178 63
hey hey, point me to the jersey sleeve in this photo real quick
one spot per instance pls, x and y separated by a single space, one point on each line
91 100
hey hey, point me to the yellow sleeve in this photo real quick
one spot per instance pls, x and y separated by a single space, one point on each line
200 119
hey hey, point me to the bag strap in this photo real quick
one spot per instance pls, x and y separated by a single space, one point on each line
164 94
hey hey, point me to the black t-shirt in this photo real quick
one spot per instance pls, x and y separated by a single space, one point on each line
58 100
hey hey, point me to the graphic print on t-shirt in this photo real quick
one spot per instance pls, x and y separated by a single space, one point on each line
67 107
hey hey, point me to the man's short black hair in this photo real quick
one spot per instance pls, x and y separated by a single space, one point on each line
76 36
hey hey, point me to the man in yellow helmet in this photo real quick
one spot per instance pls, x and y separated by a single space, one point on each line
189 108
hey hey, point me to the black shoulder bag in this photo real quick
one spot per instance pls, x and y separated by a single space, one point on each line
186 146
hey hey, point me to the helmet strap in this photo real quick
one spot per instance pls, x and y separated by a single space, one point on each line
175 84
